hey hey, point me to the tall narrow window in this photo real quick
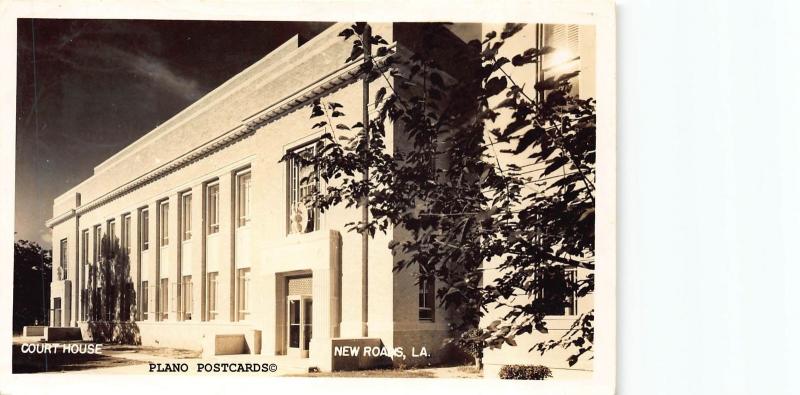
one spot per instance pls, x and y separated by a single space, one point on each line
126 234
145 294
64 263
212 296
186 217
98 238
187 302
427 297
163 220
243 298
84 274
164 305
243 199
144 229
112 231
303 184
213 208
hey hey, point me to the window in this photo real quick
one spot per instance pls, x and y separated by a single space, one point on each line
98 237
163 220
303 183
126 233
427 297
556 294
186 217
144 228
111 231
243 297
164 299
64 262
565 56
83 285
212 197
212 296
187 302
242 199
144 296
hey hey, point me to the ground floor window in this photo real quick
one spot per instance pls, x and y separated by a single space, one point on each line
187 303
557 291
427 297
243 296
164 307
144 296
212 296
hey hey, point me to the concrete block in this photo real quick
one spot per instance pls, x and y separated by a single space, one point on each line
33 330
62 333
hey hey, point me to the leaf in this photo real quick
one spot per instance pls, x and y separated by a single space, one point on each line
511 341
555 165
355 53
547 84
494 86
380 94
342 126
528 139
346 33
511 29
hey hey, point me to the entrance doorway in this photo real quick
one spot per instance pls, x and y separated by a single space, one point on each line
56 312
299 325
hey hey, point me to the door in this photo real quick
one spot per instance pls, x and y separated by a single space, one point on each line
299 325
56 312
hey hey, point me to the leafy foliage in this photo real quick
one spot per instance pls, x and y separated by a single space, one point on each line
110 292
32 275
463 209
525 372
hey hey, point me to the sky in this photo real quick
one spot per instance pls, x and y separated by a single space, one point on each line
88 88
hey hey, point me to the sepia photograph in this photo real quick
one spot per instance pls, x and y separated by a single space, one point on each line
297 198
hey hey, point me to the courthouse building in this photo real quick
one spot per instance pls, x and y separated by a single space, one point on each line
220 242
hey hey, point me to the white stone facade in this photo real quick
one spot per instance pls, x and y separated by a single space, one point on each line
243 127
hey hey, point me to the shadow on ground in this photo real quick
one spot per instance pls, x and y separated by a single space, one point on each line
60 362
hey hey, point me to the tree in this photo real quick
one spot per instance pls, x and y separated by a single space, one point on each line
112 296
32 276
463 208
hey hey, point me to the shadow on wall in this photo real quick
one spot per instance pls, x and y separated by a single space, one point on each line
111 332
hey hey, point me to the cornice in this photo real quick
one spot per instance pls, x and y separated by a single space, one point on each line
248 127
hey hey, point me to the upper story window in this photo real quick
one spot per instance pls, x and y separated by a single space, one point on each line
243 198
126 233
111 230
85 246
98 238
163 221
565 56
303 184
144 229
427 297
212 197
64 261
186 217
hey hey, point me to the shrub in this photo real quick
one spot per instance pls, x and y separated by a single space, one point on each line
525 372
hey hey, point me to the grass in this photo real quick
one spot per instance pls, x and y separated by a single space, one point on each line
387 373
